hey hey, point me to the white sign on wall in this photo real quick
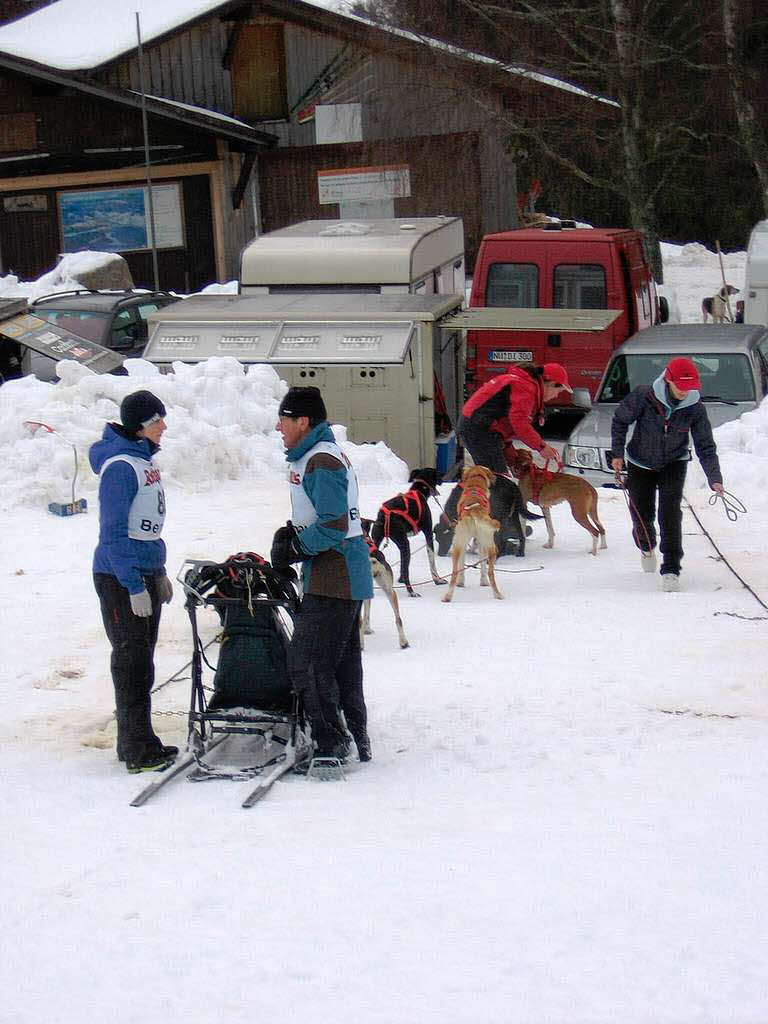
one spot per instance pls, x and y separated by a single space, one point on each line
353 184
338 122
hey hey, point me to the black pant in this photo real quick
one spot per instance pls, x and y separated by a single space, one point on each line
133 642
643 485
326 667
484 445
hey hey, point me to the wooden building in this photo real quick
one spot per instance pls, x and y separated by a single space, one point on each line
260 114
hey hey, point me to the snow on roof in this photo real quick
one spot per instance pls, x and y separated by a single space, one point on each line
65 35
205 111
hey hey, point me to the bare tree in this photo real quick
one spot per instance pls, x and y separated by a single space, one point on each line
643 57
741 81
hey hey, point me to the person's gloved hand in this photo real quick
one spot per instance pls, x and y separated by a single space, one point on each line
286 548
164 589
141 604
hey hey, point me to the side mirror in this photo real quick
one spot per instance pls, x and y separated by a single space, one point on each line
581 398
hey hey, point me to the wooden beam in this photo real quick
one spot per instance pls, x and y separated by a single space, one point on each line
34 181
249 159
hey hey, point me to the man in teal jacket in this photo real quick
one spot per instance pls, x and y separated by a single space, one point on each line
325 535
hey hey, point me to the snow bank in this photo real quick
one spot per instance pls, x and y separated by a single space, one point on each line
742 447
221 426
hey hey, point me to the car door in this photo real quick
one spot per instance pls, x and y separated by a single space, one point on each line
124 333
143 310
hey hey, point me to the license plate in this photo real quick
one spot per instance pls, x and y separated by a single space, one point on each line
498 355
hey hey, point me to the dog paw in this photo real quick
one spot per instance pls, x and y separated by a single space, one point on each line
499 597
404 644
447 598
549 544
413 593
439 581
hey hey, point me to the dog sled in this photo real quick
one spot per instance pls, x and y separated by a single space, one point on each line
247 723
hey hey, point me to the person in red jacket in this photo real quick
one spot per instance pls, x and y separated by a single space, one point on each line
502 411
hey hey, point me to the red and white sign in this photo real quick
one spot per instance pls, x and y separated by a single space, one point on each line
352 184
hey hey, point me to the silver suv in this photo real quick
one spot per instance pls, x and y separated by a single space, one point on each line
732 360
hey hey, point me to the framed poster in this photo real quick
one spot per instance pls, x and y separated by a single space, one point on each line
117 219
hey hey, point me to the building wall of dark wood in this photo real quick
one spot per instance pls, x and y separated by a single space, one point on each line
31 239
288 180
81 131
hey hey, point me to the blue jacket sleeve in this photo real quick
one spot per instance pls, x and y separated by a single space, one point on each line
117 490
325 481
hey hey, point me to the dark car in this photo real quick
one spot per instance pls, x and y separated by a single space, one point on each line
116 320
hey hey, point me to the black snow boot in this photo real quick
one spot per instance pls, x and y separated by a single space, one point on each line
363 745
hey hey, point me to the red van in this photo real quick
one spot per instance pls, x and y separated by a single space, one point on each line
561 267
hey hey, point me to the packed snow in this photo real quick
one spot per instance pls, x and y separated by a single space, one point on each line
564 820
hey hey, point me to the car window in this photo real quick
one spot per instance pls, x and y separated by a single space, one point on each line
579 286
123 332
90 326
726 376
514 285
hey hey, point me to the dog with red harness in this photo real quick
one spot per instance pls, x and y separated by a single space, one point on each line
406 515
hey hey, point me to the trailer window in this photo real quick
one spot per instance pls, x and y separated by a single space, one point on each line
513 285
579 286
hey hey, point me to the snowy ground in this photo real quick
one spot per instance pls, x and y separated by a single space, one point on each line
564 820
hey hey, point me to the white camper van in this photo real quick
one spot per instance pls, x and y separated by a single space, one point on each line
756 276
418 255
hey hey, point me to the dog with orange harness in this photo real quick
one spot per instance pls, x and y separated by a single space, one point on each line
545 489
475 522
406 515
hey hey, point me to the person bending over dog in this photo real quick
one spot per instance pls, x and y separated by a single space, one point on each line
664 413
503 409
325 535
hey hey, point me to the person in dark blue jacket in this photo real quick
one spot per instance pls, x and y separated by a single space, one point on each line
665 414
326 536
129 570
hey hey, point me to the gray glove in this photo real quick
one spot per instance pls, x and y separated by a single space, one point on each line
141 604
164 589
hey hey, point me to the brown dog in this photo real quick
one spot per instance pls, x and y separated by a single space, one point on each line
547 489
474 521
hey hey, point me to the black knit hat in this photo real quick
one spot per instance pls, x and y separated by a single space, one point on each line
304 402
138 409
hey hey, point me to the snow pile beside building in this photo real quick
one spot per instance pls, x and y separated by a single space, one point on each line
221 426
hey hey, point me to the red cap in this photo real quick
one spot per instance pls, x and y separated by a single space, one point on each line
555 374
683 374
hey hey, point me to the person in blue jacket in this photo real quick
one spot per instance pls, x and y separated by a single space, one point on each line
665 415
325 535
129 570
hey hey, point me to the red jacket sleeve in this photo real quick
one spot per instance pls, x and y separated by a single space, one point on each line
523 404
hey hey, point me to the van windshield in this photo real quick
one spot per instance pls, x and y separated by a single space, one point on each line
726 377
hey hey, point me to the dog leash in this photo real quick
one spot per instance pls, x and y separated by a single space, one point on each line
733 506
634 515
